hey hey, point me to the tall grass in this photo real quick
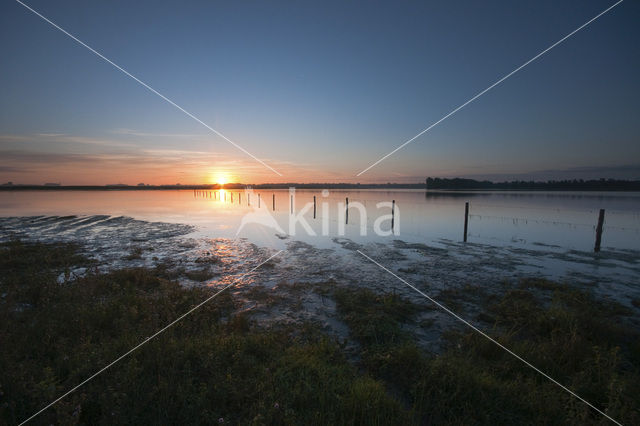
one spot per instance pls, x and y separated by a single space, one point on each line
587 344
212 367
217 366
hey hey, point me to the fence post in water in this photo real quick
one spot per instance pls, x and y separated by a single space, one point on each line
239 197
291 202
393 213
232 198
314 206
466 220
599 230
274 202
258 200
346 210
248 198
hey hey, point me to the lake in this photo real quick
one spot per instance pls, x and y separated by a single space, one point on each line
561 220
216 238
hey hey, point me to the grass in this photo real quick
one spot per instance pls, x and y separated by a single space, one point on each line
216 366
212 367
584 343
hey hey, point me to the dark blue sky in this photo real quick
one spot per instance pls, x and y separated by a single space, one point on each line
319 91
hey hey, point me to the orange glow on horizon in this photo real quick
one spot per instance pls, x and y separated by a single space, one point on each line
220 178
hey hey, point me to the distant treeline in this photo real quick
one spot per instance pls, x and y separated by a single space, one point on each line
551 185
430 184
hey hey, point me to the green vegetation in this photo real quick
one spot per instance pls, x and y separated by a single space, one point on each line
578 340
211 367
216 366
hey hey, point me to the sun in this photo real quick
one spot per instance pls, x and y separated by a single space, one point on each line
220 178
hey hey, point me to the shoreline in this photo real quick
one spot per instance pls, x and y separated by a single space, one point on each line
225 364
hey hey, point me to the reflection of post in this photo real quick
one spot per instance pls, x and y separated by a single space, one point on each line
274 202
393 213
599 230
466 220
314 206
346 216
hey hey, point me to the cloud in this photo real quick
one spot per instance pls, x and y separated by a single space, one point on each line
132 132
625 171
12 169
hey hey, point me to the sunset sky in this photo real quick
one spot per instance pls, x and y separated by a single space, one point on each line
319 92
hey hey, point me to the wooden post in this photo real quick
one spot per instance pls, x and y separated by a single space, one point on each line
225 196
346 210
274 202
314 206
599 231
232 198
248 198
393 213
291 202
258 200
466 220
239 197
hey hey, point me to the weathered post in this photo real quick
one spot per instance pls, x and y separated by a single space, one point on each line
248 198
599 231
346 216
466 220
291 202
314 206
232 198
274 202
239 197
393 213
258 200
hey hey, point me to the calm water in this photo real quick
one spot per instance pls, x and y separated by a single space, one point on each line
549 220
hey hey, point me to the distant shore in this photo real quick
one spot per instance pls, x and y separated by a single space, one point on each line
438 184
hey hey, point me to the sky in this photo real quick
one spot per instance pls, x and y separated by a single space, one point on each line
317 90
